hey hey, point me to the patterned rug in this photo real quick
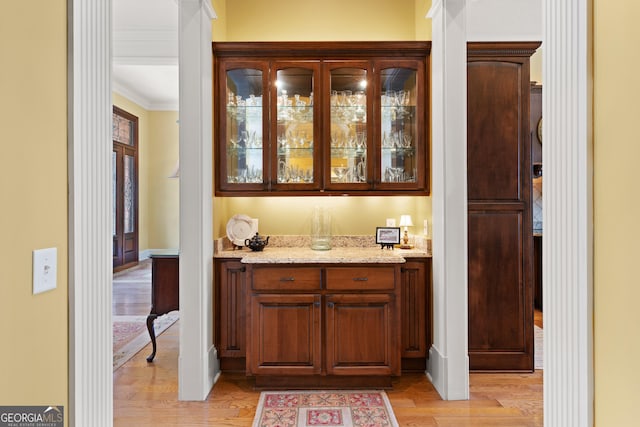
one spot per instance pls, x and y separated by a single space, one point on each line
355 408
130 335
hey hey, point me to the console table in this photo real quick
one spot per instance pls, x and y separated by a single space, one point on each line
164 291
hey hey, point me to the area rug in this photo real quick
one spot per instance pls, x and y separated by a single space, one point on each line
130 335
538 354
333 408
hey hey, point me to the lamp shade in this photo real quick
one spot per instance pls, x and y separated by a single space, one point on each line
405 221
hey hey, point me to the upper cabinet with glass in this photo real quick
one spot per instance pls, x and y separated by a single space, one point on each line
310 118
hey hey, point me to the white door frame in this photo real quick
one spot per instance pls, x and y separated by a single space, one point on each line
568 230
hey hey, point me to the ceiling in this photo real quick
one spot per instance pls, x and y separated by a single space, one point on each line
145 52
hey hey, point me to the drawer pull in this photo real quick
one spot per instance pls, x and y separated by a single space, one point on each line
316 304
330 304
360 279
287 279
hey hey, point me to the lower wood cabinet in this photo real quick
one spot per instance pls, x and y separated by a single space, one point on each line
286 334
323 325
317 325
361 335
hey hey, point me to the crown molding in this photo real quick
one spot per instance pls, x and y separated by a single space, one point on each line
145 46
131 95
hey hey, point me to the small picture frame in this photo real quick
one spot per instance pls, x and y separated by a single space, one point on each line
386 237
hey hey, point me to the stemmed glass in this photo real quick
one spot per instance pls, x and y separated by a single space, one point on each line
341 173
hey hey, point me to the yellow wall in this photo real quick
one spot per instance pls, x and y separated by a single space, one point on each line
164 193
423 25
350 215
297 20
293 20
616 213
33 119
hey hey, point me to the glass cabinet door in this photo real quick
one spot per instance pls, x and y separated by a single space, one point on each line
402 126
244 127
294 163
347 131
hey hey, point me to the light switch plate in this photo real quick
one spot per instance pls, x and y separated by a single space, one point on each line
391 222
45 271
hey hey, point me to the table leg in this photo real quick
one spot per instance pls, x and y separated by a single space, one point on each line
152 334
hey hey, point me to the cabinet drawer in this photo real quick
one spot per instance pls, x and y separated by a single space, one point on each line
361 278
286 278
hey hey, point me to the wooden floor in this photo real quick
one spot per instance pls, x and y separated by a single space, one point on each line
146 394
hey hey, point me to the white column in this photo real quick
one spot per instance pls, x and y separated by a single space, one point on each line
568 232
448 357
90 242
198 364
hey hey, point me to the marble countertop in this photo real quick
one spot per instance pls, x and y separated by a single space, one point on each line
334 255
296 250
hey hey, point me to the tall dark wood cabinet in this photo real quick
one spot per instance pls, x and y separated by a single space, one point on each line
499 206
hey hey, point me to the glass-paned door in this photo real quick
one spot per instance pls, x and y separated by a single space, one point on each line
243 126
401 154
294 160
124 159
349 133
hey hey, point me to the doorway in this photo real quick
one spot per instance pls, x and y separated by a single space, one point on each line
124 158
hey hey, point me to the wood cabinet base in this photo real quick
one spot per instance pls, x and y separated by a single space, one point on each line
320 381
414 364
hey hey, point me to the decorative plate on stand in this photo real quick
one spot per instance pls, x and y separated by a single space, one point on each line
239 228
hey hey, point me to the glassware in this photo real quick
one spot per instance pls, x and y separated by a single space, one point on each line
321 229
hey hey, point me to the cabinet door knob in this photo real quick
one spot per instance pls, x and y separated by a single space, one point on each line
330 304
316 304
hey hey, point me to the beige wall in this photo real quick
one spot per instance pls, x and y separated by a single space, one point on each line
616 213
33 119
163 200
299 21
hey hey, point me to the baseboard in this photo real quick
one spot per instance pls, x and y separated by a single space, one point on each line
214 367
437 372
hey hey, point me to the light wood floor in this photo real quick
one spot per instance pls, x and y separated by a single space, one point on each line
146 394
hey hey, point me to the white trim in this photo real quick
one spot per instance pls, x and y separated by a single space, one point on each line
568 212
197 364
131 95
450 369
90 201
436 7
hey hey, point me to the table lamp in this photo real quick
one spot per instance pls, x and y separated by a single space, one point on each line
405 221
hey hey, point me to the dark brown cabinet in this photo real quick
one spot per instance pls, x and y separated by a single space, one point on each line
321 118
285 334
499 207
416 314
347 321
323 325
230 314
